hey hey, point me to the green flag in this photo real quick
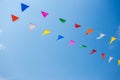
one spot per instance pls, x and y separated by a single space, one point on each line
62 20
83 46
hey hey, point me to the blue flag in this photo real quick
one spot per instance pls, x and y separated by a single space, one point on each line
24 7
60 37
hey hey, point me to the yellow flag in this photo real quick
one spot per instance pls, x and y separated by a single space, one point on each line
112 39
45 32
118 62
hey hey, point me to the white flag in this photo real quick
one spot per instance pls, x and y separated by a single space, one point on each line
110 59
101 36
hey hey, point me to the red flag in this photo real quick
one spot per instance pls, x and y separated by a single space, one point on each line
14 18
93 51
77 26
103 56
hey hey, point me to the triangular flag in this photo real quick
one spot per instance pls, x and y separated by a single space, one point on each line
62 20
71 43
44 14
112 39
14 18
60 37
101 36
31 27
119 62
93 51
89 31
77 26
24 7
103 56
84 46
110 59
45 32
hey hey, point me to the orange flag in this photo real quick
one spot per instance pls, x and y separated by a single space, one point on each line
89 31
14 18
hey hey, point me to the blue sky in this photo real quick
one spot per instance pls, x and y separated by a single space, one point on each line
30 56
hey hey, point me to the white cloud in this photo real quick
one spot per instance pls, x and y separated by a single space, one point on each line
2 47
1 30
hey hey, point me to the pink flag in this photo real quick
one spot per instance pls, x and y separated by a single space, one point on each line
45 14
31 27
71 43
